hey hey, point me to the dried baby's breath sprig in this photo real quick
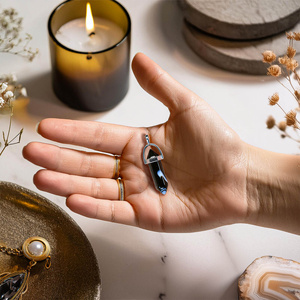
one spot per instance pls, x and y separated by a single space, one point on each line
18 89
7 96
12 94
285 67
10 35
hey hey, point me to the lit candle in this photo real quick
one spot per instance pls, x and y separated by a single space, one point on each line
89 34
90 54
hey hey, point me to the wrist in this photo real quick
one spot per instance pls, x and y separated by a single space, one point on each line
273 190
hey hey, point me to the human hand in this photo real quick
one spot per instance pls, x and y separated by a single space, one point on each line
205 163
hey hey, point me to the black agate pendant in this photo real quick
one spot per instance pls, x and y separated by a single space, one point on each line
153 160
13 285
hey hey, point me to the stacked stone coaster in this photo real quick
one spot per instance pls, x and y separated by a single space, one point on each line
233 34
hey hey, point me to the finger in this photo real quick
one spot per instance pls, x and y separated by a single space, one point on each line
70 161
98 136
106 210
65 185
158 83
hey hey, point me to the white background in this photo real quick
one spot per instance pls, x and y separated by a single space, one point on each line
134 263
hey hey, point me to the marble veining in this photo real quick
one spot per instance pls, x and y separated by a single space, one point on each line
219 232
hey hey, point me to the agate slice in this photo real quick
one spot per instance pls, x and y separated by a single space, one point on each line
270 277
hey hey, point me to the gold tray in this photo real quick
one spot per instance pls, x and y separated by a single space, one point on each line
74 272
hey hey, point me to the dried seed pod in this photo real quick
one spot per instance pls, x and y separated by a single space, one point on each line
270 122
291 118
282 125
270 277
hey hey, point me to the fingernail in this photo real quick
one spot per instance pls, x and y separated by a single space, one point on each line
37 127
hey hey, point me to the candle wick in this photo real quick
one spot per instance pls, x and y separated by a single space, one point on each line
91 34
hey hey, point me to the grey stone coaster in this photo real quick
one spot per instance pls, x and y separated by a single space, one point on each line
236 56
242 19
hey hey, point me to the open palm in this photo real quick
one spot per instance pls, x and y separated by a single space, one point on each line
205 163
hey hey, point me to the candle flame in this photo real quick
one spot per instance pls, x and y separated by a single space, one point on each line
89 21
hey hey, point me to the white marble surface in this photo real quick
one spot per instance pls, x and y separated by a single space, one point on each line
134 263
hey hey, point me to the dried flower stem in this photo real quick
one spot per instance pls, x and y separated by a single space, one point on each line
286 112
281 108
286 134
6 139
285 87
9 91
12 42
290 82
297 77
285 68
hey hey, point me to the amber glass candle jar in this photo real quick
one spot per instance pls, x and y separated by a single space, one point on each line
95 76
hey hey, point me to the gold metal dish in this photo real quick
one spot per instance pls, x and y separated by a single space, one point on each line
74 272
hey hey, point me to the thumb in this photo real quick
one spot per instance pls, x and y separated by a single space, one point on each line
158 83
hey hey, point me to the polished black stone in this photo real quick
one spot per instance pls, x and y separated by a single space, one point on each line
11 286
157 172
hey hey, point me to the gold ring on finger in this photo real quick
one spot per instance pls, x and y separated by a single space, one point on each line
121 189
117 167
